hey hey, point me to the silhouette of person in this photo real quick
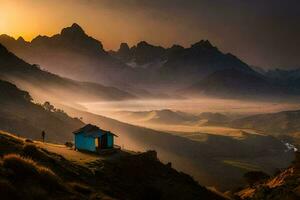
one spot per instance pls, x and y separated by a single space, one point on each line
43 136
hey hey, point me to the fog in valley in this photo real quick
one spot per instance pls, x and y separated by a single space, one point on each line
159 113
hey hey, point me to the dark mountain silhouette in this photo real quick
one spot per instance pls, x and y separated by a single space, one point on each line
259 69
283 73
31 76
234 83
289 78
200 60
71 53
178 65
75 54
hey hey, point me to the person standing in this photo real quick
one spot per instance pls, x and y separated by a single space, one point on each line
43 136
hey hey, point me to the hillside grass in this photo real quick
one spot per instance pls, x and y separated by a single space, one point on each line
28 171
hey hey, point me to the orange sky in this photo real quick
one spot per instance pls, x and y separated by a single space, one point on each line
262 33
29 18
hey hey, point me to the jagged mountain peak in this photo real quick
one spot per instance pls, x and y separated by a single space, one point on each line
20 39
39 37
4 39
124 47
203 44
75 29
143 43
177 46
6 36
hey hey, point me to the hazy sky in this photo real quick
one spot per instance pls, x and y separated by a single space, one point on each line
261 32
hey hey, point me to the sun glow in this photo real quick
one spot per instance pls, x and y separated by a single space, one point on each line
14 20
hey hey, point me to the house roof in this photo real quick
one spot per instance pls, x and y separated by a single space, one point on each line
93 131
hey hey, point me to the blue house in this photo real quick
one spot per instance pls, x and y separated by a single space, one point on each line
92 138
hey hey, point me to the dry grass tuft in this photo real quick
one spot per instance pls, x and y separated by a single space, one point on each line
22 167
34 152
27 169
48 177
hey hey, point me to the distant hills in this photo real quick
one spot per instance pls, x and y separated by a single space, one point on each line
36 80
170 117
285 125
144 68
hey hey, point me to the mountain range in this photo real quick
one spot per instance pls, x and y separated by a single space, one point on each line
150 71
178 64
144 68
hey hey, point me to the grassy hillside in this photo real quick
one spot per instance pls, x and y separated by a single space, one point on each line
28 171
18 114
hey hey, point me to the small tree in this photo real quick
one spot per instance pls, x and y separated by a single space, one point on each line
47 106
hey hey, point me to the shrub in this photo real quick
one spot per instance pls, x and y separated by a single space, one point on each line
22 167
49 178
30 150
69 144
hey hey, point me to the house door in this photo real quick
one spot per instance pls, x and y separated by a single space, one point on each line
104 141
